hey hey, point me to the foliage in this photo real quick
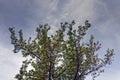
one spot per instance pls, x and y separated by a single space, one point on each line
61 56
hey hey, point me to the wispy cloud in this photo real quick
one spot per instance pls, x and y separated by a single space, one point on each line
27 14
55 11
82 9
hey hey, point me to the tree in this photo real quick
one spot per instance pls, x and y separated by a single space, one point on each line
61 56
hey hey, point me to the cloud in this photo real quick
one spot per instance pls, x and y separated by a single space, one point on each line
14 12
111 75
79 9
9 63
54 11
27 14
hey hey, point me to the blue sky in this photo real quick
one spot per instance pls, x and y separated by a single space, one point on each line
27 14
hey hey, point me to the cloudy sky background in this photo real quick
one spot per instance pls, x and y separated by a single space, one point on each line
27 14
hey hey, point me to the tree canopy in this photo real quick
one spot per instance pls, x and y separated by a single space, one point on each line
60 56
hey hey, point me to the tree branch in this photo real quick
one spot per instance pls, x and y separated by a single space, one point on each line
50 66
32 53
77 60
61 72
92 70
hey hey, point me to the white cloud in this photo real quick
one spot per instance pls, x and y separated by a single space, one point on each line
53 12
108 74
9 63
43 9
48 11
79 9
112 75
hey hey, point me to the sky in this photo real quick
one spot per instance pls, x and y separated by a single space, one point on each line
104 15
